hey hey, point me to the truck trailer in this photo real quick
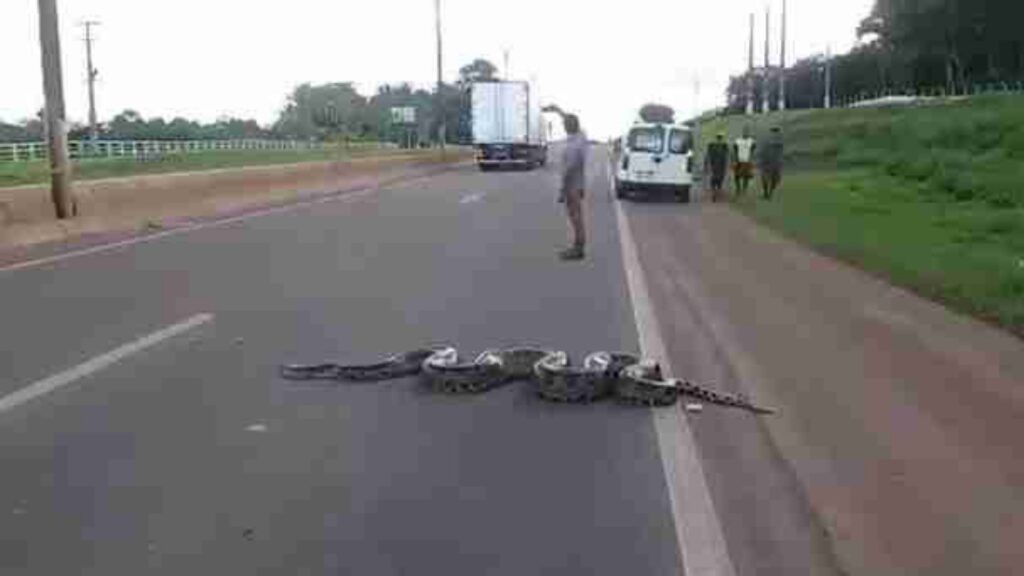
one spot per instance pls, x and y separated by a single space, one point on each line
508 127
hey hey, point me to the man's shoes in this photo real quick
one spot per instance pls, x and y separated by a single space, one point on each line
572 254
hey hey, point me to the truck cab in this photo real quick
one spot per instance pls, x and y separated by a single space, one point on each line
655 158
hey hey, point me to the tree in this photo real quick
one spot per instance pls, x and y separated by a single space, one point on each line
657 113
478 70
325 111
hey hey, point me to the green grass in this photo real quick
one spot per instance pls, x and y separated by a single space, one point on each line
24 173
931 198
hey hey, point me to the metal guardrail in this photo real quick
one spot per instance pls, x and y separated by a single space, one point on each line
151 149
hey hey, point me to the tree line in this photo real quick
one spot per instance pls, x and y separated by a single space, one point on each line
907 46
326 112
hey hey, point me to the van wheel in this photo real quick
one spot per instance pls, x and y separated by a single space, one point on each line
620 191
684 194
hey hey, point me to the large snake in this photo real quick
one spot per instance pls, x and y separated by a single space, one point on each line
622 376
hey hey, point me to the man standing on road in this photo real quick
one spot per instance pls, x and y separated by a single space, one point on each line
743 157
574 161
716 163
771 163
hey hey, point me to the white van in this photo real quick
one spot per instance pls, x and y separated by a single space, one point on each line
655 158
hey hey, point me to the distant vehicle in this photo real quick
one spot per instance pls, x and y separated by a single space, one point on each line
655 158
508 127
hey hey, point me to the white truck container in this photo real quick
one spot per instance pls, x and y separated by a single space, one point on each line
508 127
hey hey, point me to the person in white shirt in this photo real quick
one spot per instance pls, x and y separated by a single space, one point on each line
743 150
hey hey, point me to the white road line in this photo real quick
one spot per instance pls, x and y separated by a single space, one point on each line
98 363
345 196
470 198
698 530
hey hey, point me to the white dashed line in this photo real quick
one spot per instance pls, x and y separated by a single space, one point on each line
98 363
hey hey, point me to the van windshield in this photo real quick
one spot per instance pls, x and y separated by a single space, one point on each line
650 139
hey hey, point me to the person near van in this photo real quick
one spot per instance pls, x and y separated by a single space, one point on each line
716 163
771 162
574 161
743 150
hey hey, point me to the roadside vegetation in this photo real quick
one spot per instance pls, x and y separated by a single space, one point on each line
27 173
930 197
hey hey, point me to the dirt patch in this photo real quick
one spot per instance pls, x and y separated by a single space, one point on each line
26 214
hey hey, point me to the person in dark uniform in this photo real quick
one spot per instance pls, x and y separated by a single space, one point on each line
716 163
771 162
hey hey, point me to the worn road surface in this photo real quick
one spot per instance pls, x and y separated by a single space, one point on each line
143 428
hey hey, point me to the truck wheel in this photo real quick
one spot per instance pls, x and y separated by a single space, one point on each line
486 168
684 194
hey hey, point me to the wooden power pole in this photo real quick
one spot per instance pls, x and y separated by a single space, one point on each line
782 61
94 133
766 88
442 129
750 70
53 87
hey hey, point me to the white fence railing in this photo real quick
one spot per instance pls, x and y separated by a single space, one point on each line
910 95
155 149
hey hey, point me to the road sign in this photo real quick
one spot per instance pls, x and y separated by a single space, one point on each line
403 115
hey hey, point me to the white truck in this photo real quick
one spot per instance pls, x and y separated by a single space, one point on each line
508 127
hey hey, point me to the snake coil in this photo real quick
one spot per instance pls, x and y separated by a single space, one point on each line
623 376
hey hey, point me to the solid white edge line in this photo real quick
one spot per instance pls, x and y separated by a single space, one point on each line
698 530
89 367
343 196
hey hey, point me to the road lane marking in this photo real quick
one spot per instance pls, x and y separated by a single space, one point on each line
470 198
698 529
98 363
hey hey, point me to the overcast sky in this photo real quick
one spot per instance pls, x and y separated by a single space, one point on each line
206 58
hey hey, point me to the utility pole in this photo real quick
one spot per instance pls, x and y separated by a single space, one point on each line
696 96
828 78
53 87
767 55
750 70
91 71
442 129
782 63
505 71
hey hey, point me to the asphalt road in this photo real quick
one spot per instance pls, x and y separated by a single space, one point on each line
190 455
143 427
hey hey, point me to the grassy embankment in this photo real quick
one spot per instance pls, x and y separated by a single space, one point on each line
24 173
930 197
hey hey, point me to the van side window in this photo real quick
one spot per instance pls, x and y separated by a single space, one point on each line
680 142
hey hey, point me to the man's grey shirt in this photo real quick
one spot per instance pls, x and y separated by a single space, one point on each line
574 162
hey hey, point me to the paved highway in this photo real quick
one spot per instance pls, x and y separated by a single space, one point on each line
188 454
143 427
